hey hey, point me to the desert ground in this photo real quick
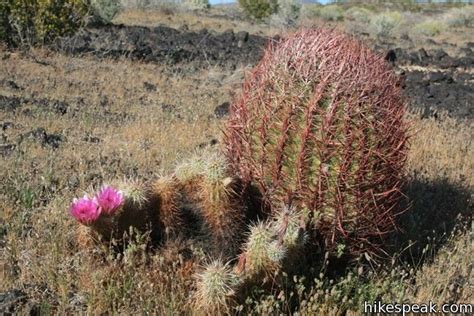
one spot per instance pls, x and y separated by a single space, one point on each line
133 99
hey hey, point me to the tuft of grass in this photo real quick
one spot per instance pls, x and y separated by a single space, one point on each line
430 27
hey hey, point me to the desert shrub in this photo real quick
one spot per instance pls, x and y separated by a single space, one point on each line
4 23
385 23
332 13
288 13
319 125
105 10
198 4
259 9
357 14
35 21
430 28
457 17
310 11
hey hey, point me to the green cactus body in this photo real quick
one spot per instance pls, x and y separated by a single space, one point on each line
214 289
319 125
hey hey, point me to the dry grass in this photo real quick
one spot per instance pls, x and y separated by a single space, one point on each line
144 133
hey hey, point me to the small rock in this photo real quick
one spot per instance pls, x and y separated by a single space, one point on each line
60 107
6 149
10 84
7 125
439 54
149 87
53 140
104 101
391 56
11 300
9 103
422 54
222 110
167 108
39 134
435 76
42 136
73 182
91 139
242 36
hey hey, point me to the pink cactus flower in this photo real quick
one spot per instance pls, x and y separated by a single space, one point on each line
109 199
85 210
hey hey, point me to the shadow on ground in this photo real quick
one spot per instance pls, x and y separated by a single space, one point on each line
437 209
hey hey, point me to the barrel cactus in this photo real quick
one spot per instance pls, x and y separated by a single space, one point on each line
319 125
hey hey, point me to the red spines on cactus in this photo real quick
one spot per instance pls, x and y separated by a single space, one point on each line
319 124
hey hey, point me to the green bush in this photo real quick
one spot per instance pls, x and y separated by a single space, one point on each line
430 27
385 23
288 12
259 9
4 25
105 10
358 15
39 21
332 13
458 17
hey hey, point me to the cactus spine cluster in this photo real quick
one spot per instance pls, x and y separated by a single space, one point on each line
319 125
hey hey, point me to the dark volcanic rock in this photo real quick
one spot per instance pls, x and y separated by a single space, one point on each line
222 110
166 45
6 149
436 76
10 84
391 56
9 103
40 134
447 89
439 54
91 139
11 300
12 103
7 125
149 87
59 107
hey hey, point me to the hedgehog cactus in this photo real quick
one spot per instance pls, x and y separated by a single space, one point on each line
166 194
262 251
216 198
289 224
214 288
319 125
111 212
